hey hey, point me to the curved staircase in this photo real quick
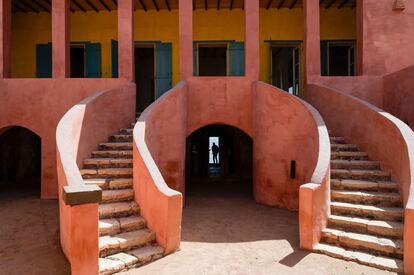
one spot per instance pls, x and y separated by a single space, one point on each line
366 221
124 240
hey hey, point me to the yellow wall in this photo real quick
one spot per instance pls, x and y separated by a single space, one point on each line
284 24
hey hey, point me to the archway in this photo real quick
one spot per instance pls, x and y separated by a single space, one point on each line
20 161
227 174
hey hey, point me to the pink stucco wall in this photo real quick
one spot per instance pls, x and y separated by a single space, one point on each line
382 136
38 105
78 133
398 94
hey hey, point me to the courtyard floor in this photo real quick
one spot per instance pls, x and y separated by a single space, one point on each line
234 235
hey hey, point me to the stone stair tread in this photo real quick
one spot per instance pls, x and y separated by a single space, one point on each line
120 152
376 227
109 183
112 226
337 139
117 194
109 266
385 263
364 241
118 171
107 160
361 196
117 208
385 213
364 184
116 144
125 241
354 164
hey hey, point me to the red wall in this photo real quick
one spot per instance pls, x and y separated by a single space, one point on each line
38 105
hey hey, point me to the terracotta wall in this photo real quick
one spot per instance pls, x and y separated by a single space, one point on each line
387 36
398 95
38 105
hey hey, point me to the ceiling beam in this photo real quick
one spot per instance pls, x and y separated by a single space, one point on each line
92 5
231 4
293 4
19 8
354 5
194 7
218 4
142 5
154 2
29 6
330 4
78 5
167 3
321 2
41 5
269 4
115 3
104 5
205 5
281 4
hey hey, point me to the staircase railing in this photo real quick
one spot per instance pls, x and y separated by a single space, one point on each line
383 136
77 134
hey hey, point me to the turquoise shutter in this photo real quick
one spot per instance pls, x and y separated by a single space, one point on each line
114 57
44 60
163 74
324 58
236 58
195 59
93 60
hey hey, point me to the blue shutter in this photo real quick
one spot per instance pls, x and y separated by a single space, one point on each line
44 60
195 59
236 58
324 58
114 55
163 75
93 60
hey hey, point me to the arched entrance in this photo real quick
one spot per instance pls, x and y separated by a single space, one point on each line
20 160
229 172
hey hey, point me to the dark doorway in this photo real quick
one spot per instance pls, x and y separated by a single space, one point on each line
212 60
77 61
230 173
341 59
144 76
20 160
285 62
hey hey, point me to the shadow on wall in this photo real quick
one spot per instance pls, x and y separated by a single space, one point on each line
20 159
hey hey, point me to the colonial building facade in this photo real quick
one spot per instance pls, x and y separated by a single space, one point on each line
310 102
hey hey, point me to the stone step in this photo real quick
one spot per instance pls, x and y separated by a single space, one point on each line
127 131
348 184
366 197
364 242
107 184
383 263
112 154
368 211
351 155
109 245
360 174
354 164
107 163
117 195
113 226
117 209
388 229
115 146
121 138
344 147
134 258
337 139
106 173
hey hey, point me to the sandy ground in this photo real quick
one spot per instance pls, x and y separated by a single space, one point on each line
231 235
29 235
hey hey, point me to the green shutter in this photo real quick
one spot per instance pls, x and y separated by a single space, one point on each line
324 58
114 58
163 75
93 60
195 59
236 58
44 60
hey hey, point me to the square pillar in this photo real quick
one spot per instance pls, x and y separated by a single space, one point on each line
5 38
312 40
60 39
126 49
185 18
251 37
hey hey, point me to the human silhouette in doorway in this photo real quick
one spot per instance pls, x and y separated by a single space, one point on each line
214 150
